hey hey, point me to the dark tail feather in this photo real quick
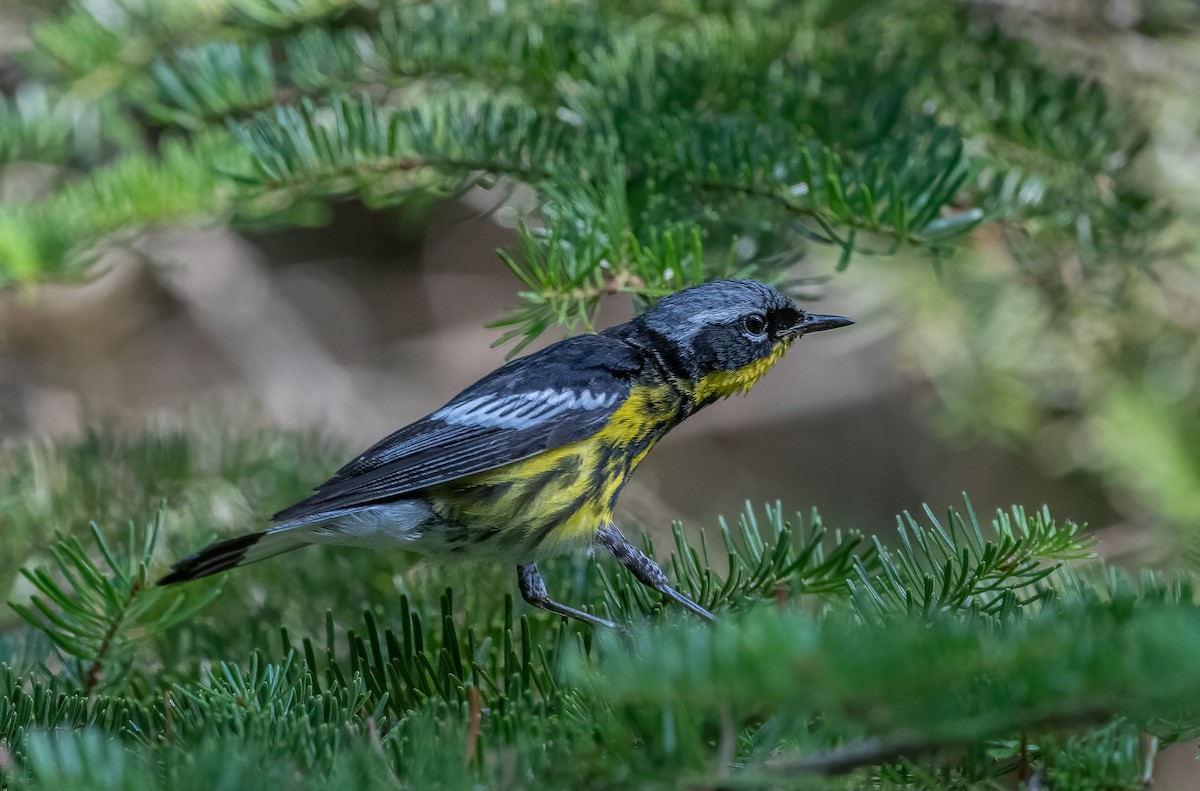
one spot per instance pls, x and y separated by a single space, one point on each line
230 553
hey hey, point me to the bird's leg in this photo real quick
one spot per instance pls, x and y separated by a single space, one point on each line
645 569
533 590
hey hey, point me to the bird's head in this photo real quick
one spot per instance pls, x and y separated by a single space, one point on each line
728 333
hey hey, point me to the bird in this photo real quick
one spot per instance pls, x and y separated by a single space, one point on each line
529 461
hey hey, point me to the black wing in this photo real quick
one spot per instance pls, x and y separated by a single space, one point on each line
564 393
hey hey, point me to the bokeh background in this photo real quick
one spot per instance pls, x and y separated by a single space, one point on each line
353 330
1075 385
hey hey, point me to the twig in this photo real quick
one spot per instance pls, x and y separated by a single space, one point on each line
92 679
868 752
1149 752
727 746
473 731
872 752
168 717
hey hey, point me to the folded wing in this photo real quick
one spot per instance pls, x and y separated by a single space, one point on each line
563 394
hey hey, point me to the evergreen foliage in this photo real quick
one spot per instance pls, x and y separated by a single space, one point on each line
654 144
956 656
661 143
707 125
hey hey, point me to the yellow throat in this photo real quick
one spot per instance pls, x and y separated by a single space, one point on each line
722 384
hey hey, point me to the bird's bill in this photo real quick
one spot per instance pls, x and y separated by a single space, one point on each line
814 322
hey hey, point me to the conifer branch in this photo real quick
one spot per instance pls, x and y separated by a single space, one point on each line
89 614
955 567
93 675
430 677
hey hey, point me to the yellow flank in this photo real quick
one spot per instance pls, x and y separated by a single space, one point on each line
723 384
558 498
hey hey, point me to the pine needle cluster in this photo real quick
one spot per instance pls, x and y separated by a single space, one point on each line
638 147
956 653
664 143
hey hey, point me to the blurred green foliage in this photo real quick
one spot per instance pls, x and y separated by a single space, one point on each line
664 143
661 142
872 128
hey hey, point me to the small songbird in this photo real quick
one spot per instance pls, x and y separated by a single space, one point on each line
528 461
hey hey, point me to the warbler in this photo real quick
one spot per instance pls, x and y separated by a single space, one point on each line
529 461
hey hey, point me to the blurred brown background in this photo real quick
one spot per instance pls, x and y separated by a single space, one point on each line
360 327
352 331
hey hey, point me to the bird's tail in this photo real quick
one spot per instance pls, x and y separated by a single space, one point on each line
233 552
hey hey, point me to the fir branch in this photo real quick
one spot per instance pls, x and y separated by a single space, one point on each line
947 682
431 680
895 194
51 237
768 559
897 748
729 135
355 147
211 82
956 568
586 250
105 49
99 49
330 62
38 126
1066 128
90 613
520 49
1109 756
93 676
526 47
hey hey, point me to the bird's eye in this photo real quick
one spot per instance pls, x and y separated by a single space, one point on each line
755 324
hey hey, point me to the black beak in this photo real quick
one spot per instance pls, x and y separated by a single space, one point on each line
813 322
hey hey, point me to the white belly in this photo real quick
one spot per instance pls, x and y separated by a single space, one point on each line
387 526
